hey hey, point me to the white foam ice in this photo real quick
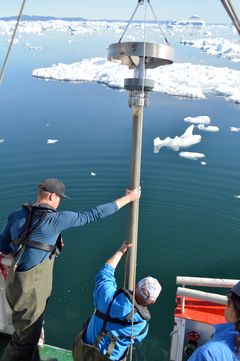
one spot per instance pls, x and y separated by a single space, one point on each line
234 129
201 119
52 141
183 141
217 46
209 128
180 79
191 155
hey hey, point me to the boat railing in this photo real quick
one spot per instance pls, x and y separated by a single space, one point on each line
202 295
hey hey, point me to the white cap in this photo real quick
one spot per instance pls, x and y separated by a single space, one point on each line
151 286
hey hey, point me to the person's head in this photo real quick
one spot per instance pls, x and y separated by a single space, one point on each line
147 291
232 310
51 191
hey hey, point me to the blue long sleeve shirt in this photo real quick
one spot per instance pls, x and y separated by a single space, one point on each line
104 291
221 347
48 231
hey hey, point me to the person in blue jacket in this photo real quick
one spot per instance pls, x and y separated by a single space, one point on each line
225 343
119 319
32 236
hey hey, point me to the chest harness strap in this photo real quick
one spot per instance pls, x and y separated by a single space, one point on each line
143 311
34 211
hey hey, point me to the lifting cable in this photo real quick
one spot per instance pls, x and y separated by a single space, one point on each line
11 42
140 2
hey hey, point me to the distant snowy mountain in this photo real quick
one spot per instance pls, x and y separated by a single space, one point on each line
40 18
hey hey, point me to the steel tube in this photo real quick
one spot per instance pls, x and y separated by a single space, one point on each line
206 282
232 14
132 231
206 296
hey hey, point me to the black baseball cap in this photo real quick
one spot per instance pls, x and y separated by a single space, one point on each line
53 185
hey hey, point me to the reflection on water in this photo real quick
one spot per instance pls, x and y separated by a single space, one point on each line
189 217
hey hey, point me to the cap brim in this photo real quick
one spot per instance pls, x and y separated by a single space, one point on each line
64 196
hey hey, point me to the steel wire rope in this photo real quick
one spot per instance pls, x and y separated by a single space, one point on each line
142 106
125 30
158 23
11 42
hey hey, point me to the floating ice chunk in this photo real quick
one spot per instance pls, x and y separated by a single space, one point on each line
234 129
2 140
191 155
93 174
210 128
35 48
236 195
217 46
201 119
203 163
184 141
52 141
184 79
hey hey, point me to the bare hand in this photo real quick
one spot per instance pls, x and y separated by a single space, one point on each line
134 194
124 247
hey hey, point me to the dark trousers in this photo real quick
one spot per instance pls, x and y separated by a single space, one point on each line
24 344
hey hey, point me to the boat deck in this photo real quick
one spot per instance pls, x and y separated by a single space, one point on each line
46 351
201 311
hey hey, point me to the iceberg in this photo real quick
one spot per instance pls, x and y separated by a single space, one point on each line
52 141
201 119
193 21
191 155
234 129
217 46
183 141
179 79
210 128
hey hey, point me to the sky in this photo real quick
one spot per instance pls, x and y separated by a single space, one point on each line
209 10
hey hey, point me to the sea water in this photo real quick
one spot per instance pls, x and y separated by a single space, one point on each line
189 213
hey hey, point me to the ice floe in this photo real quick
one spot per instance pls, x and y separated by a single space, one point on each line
191 155
234 129
209 128
201 119
203 163
2 140
217 46
179 79
183 141
236 195
93 174
52 141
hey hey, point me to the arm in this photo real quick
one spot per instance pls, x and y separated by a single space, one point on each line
106 285
130 196
116 257
66 219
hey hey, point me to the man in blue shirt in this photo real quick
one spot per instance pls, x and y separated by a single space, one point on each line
119 319
225 343
31 235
